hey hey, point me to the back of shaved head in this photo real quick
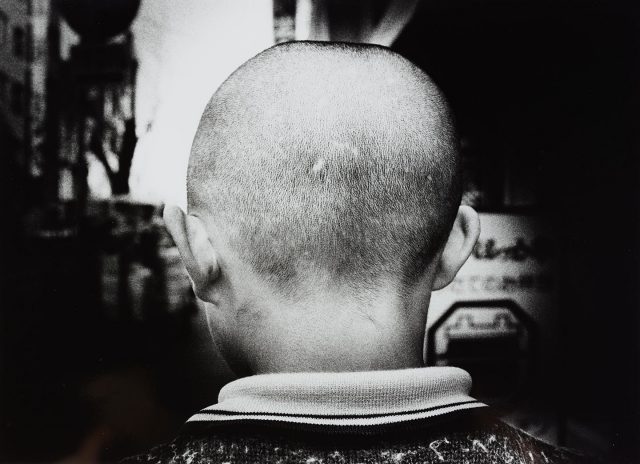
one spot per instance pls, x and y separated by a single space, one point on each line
338 158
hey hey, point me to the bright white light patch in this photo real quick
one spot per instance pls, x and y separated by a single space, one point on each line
185 51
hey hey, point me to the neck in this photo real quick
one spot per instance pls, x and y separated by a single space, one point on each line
365 356
331 333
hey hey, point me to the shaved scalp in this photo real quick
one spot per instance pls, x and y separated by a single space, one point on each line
337 158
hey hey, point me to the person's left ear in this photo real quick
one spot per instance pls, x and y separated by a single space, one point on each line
198 255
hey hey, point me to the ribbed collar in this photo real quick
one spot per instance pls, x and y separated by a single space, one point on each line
344 398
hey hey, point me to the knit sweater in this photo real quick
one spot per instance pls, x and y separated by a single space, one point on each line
404 416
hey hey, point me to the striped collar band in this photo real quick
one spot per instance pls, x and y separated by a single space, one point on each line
345 398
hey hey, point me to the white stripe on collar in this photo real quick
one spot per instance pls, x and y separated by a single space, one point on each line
344 398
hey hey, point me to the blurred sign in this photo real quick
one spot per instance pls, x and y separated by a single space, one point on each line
513 260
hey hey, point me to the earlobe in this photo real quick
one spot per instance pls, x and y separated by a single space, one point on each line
191 237
462 238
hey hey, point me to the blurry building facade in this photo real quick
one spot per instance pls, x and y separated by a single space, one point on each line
23 71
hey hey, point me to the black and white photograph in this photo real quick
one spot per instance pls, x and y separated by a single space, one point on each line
320 231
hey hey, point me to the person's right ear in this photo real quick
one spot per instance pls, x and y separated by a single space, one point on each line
198 255
462 238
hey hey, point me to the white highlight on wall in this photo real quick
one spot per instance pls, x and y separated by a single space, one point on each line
185 50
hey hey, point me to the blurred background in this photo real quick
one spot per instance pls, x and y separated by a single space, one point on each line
103 349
